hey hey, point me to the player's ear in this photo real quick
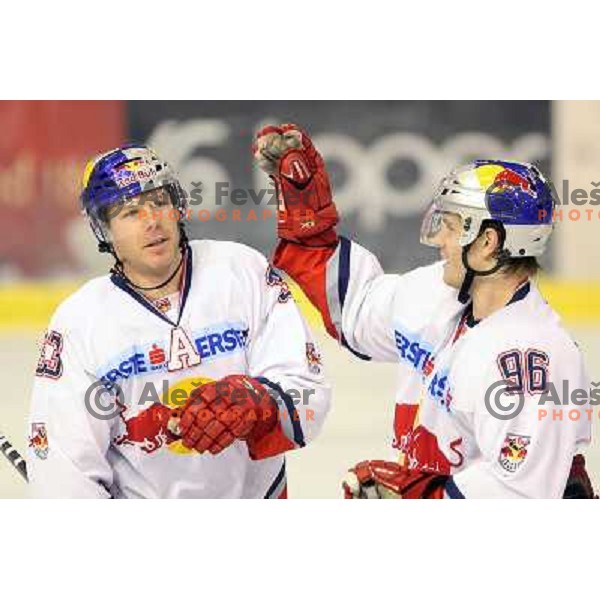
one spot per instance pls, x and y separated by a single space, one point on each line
490 242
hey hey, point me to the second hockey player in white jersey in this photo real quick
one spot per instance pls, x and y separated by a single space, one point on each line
186 373
471 334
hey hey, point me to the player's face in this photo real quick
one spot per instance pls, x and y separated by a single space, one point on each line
145 234
447 239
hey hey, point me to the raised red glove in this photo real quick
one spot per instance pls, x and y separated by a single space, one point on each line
306 213
218 413
380 479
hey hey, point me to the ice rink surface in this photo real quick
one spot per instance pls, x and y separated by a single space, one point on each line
359 426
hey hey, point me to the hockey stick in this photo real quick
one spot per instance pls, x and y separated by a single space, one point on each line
13 456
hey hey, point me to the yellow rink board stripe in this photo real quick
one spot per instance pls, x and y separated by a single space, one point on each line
29 306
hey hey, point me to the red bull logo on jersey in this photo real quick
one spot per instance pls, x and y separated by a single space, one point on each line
39 440
420 448
313 358
163 304
513 451
155 426
149 430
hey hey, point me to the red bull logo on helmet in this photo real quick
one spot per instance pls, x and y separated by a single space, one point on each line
497 177
509 178
134 171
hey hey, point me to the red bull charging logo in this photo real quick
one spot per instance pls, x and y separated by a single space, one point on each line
154 427
39 440
509 178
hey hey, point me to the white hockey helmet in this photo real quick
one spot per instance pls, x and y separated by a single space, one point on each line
516 195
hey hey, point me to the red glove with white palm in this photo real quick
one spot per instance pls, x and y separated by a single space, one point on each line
381 480
306 212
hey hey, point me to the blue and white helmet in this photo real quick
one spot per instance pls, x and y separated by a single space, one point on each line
114 176
514 194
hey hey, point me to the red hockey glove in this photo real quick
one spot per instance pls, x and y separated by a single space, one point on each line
218 413
306 213
381 480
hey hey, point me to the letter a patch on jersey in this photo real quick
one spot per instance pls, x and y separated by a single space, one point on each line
182 354
513 451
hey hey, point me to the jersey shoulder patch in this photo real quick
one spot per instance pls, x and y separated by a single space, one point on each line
274 279
50 362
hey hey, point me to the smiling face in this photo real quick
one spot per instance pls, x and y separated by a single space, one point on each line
147 246
482 254
447 240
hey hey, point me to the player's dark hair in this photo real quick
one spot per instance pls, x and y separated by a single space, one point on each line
525 265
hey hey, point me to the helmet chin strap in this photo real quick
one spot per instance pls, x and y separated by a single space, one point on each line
463 293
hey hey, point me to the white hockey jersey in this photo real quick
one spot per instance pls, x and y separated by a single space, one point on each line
448 397
236 315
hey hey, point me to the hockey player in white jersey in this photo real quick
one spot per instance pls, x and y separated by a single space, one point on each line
186 373
457 328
